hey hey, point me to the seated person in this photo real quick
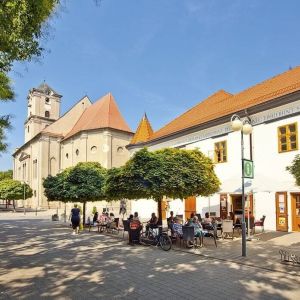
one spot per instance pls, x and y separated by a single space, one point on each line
177 228
111 221
210 224
136 216
130 218
198 230
190 220
152 223
170 220
207 219
135 227
102 221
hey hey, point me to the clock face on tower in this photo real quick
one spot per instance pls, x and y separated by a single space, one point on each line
105 148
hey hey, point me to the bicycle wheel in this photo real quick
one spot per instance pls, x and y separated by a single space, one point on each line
165 242
144 239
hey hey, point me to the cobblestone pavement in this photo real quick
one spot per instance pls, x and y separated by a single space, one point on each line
41 259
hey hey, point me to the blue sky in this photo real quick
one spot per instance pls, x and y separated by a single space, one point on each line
157 56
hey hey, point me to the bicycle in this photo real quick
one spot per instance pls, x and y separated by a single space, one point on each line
156 237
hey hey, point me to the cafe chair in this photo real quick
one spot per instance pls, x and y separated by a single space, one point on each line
227 228
260 223
188 235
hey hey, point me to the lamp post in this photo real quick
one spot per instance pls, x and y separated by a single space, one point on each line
24 197
244 126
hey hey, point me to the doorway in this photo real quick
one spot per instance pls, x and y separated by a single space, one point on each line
295 212
237 206
189 207
281 211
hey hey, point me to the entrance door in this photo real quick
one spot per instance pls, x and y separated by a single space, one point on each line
281 211
190 206
296 211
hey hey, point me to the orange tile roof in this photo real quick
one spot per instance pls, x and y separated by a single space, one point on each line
104 113
222 103
143 132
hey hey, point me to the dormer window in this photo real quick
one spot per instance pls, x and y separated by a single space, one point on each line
47 114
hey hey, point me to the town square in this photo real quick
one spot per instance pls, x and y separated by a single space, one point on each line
149 149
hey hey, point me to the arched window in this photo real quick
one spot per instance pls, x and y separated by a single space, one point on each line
94 149
53 166
47 114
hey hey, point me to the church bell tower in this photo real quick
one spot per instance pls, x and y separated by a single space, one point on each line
43 109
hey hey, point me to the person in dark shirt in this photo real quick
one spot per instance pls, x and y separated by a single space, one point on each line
152 223
95 218
171 220
75 219
130 218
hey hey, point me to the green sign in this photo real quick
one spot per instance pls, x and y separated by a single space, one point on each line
248 168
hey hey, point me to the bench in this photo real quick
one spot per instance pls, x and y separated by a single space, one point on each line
286 256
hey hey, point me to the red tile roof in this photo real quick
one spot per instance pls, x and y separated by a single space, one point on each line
104 113
143 132
222 103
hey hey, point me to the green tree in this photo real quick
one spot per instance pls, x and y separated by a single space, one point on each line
22 27
294 169
82 183
14 190
6 174
174 173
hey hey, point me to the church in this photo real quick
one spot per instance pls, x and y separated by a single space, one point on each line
87 132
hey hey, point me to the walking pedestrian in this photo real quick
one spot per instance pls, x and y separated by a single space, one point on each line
75 219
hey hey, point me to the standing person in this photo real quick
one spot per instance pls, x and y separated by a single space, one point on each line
171 220
75 219
95 217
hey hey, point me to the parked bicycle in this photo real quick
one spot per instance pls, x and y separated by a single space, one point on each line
156 238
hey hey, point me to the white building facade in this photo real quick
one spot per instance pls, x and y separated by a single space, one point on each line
272 146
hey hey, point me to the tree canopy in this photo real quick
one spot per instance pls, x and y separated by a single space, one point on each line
294 169
22 27
14 190
170 172
82 183
6 174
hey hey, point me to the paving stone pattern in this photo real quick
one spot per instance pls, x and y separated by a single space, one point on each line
40 259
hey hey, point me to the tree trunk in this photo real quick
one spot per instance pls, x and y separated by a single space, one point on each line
159 203
6 204
83 213
14 205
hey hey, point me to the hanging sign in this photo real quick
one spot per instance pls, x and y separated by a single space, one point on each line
248 168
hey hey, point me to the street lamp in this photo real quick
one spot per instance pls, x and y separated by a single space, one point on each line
24 196
245 127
